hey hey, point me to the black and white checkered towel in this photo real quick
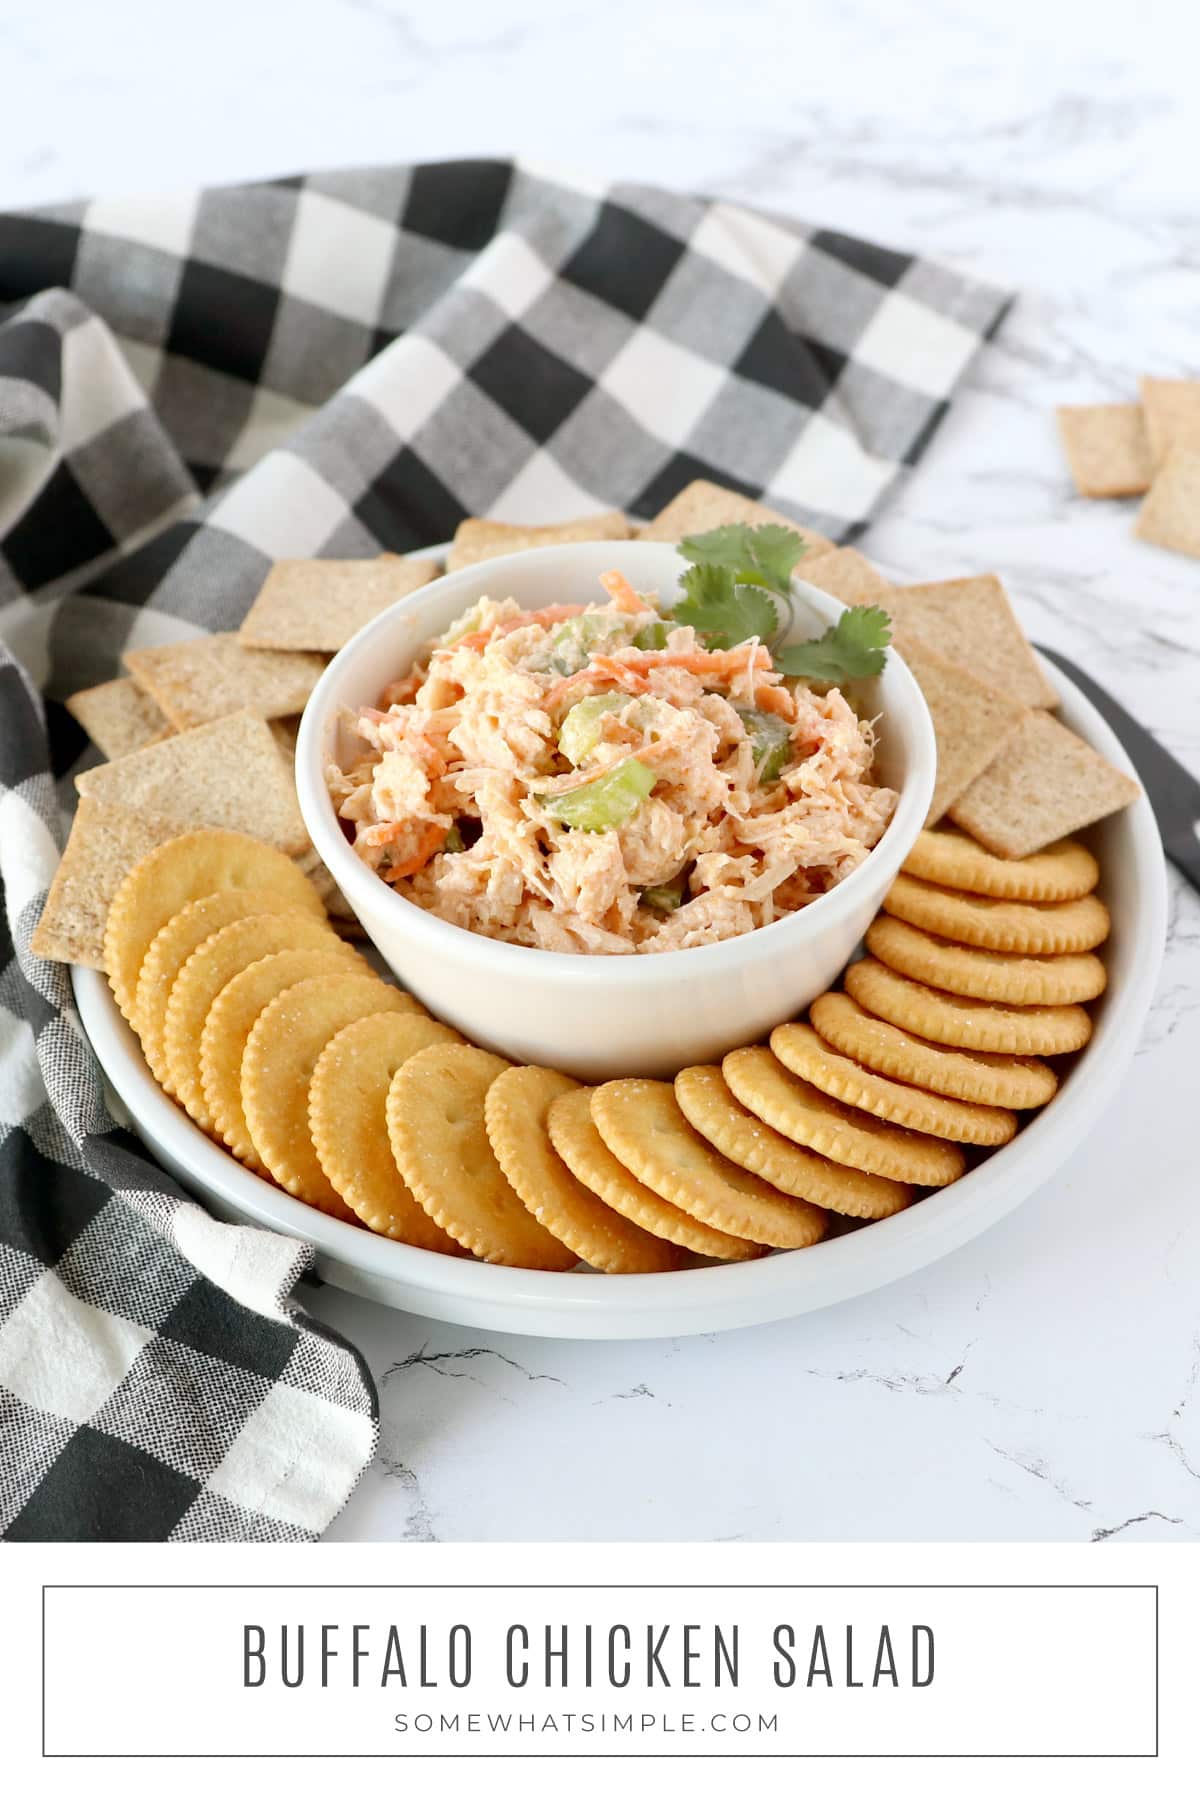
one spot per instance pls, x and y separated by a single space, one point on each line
334 365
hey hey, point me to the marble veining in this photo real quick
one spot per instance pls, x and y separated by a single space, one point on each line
1042 1382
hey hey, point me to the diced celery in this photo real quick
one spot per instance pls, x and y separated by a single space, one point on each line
608 801
579 732
573 643
652 636
771 737
665 898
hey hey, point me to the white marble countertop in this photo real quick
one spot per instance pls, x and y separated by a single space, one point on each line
1043 1382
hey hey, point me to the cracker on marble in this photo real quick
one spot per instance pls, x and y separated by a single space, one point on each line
1108 450
1172 410
1170 513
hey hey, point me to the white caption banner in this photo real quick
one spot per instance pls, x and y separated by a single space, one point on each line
619 1671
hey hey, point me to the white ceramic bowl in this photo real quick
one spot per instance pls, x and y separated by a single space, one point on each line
601 1016
488 1298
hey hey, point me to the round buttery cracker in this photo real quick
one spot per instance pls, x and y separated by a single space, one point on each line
644 1126
963 1023
277 1066
516 1111
1064 871
435 1120
842 1133
707 1103
347 1118
187 868
1059 927
801 1050
170 949
574 1135
985 974
1017 1081
231 1019
213 963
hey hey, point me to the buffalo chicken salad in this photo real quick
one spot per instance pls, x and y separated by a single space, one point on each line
612 777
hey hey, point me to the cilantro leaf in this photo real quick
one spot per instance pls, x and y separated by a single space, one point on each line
740 572
721 610
728 547
852 648
758 555
777 550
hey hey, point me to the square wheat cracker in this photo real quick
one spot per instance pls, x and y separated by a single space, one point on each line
1172 410
228 775
104 844
1107 449
848 576
285 732
207 678
476 540
971 721
1045 784
971 621
1170 513
702 506
311 604
118 716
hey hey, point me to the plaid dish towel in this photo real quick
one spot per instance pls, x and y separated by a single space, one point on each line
332 365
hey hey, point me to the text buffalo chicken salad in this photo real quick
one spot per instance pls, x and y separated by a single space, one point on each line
616 777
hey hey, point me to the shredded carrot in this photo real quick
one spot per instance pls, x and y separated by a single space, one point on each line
769 698
473 640
429 841
622 592
625 674
720 665
613 674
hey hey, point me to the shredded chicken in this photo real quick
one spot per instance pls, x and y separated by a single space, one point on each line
694 795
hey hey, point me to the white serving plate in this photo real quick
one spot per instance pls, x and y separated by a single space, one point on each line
711 1298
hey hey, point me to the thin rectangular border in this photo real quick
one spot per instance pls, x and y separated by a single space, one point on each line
597 1587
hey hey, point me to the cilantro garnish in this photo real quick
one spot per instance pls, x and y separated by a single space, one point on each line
855 646
739 573
722 611
756 555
